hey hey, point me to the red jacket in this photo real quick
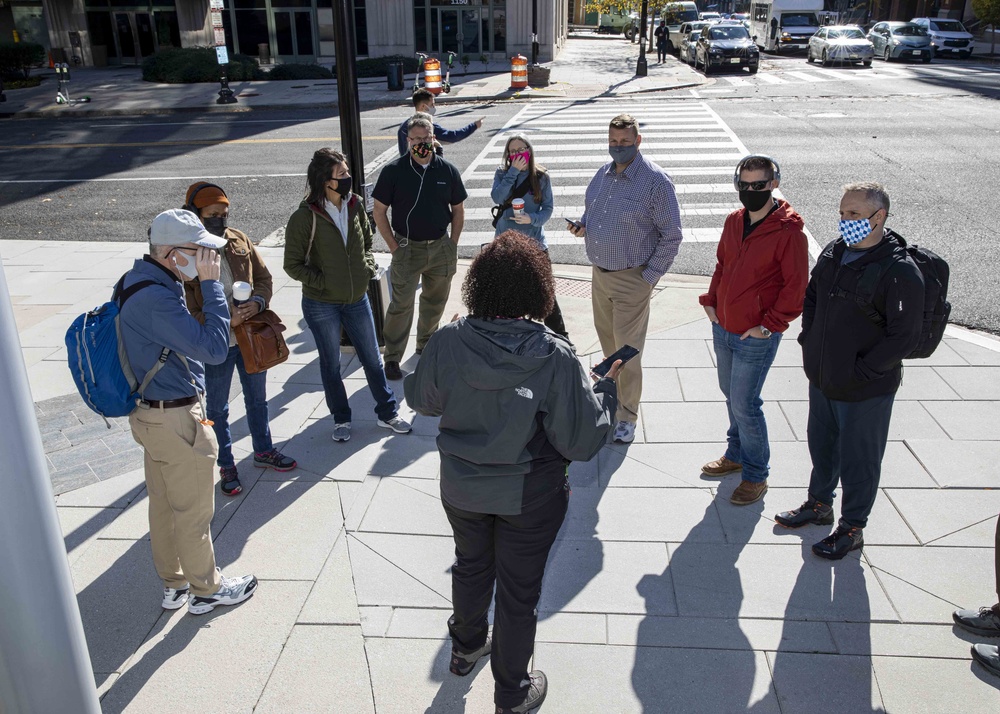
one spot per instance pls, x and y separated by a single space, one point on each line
762 280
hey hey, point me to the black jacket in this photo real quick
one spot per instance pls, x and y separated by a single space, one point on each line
845 353
515 404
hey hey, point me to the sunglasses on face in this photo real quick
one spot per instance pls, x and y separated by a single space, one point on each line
752 185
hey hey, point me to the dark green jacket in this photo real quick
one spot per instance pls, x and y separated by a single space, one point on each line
332 272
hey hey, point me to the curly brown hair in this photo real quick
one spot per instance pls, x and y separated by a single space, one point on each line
510 278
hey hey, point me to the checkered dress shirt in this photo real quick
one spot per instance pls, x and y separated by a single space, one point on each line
632 219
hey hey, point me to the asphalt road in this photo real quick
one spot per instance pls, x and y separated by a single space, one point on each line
103 179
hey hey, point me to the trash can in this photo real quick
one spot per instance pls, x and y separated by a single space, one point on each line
263 52
394 76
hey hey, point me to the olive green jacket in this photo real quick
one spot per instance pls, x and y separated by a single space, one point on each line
332 271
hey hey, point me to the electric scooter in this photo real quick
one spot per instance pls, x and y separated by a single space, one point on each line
62 94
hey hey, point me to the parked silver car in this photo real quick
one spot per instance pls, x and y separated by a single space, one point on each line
686 53
901 40
840 43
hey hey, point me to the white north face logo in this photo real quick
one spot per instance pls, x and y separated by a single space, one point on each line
524 392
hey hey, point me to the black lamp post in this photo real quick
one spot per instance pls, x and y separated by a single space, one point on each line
534 32
348 104
641 69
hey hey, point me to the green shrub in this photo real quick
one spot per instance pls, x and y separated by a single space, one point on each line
299 71
379 66
17 58
197 64
22 83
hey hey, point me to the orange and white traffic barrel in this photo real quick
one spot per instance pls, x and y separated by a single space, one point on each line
518 72
432 75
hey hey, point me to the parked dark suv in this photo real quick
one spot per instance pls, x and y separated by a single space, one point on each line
726 45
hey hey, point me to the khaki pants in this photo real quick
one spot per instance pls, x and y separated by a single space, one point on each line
180 482
621 316
431 264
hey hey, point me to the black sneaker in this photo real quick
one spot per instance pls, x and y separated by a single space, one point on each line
274 459
462 664
232 591
810 512
841 542
537 688
230 481
985 621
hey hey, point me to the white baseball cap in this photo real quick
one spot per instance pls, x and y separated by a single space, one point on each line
179 226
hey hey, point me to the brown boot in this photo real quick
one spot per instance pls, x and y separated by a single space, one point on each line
721 467
748 492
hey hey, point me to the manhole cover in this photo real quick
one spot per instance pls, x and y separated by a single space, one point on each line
573 288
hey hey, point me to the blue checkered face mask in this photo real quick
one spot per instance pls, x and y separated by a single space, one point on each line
853 232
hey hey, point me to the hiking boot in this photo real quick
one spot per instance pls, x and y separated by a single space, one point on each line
342 432
841 542
174 598
625 432
398 425
986 655
748 492
985 621
812 511
537 688
229 481
392 371
232 591
462 664
274 459
721 467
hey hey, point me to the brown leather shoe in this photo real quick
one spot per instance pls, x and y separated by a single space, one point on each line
392 371
748 492
721 467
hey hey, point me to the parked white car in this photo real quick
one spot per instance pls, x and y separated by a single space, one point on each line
947 36
840 43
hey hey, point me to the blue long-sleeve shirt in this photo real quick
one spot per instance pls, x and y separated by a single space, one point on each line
504 181
445 136
157 316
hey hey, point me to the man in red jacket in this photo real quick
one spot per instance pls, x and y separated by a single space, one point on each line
757 289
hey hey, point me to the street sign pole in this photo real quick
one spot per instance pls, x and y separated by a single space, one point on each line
348 104
44 662
226 95
641 69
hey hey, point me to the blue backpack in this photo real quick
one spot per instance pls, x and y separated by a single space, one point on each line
98 360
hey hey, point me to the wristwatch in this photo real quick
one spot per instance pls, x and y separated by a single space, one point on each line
766 332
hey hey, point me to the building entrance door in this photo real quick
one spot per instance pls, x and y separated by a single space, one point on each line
134 36
293 35
459 32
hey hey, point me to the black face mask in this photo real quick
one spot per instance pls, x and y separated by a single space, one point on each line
754 200
344 185
216 225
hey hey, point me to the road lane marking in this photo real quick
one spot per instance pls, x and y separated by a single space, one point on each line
189 142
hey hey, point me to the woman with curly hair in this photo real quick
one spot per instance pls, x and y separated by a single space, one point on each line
516 407
519 176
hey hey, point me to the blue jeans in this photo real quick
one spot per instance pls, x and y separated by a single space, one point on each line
742 367
325 320
218 379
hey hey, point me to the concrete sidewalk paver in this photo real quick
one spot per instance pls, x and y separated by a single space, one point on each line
657 590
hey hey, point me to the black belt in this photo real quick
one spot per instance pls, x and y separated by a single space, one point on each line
172 403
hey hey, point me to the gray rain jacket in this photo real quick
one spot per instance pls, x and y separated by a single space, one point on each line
514 402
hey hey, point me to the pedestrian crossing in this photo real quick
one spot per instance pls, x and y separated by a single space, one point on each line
810 74
688 139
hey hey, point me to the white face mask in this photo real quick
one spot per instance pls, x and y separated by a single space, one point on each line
432 111
189 271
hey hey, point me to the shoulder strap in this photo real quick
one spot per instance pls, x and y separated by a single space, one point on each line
870 279
519 191
161 360
121 293
312 235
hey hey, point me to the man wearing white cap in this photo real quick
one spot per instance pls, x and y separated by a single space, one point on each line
162 337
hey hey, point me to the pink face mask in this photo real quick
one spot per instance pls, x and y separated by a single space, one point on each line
520 155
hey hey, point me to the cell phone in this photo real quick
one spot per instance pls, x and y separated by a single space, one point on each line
575 224
624 354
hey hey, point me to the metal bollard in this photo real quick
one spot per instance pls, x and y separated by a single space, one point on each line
226 95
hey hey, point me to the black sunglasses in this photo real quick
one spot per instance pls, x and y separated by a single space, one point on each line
752 185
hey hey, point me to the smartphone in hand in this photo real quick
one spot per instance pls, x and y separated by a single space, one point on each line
624 354
574 224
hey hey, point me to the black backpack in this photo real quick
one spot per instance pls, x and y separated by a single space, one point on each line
937 309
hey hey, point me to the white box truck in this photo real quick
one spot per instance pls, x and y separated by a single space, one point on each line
784 25
675 14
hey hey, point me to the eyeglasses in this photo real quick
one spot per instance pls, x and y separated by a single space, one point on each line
752 185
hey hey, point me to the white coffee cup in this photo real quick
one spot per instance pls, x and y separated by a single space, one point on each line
518 205
241 292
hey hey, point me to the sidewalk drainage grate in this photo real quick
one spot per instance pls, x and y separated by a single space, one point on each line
573 288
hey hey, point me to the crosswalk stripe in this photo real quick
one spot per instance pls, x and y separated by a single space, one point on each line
738 81
541 137
674 171
579 189
939 72
806 77
691 235
646 146
842 76
769 78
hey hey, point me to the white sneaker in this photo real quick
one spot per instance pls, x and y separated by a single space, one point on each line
174 598
625 432
342 432
398 425
231 592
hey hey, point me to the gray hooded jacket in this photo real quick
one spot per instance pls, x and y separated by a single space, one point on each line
515 405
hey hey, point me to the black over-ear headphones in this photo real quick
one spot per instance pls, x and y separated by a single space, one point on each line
189 206
742 163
